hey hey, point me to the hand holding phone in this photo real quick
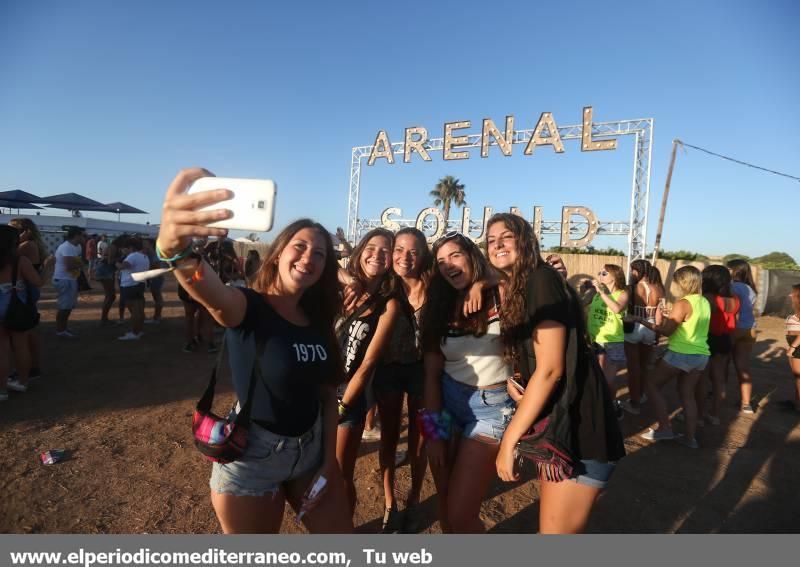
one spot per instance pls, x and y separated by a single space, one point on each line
252 205
312 496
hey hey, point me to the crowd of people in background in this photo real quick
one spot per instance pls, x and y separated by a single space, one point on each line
494 354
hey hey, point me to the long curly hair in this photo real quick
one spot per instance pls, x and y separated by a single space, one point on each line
442 308
27 225
529 257
386 287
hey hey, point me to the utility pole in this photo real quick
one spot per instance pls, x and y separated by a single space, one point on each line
675 144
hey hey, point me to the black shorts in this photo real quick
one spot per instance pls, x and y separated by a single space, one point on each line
132 293
720 344
399 378
185 297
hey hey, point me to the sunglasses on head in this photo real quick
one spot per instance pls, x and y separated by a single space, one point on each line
449 236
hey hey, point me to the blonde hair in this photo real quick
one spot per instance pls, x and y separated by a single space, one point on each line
689 279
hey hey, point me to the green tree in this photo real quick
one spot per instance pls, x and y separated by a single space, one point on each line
776 261
682 255
448 190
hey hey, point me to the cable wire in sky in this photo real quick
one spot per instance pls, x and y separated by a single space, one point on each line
739 161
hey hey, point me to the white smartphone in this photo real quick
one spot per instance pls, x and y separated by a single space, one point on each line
517 385
253 203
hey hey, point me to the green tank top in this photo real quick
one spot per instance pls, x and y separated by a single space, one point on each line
605 326
691 336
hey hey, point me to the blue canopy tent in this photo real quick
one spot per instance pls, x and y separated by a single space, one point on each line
119 208
17 205
19 196
73 202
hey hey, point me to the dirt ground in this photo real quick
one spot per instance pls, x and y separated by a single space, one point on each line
123 410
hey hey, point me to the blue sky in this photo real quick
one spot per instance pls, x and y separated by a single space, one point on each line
110 99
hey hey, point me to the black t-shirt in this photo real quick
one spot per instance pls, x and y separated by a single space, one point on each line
595 430
295 361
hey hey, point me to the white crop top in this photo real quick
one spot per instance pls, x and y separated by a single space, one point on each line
477 361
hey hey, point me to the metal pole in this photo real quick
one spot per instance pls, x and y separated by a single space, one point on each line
664 198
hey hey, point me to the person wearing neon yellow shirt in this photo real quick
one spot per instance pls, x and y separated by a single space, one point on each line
686 358
605 321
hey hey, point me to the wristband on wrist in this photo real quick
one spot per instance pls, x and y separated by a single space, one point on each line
172 260
343 408
434 425
197 276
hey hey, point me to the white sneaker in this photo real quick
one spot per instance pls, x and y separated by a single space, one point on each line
657 434
130 336
67 334
16 386
372 434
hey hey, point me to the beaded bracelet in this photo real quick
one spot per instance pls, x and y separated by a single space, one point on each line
434 425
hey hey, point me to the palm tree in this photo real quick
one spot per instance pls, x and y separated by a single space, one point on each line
448 190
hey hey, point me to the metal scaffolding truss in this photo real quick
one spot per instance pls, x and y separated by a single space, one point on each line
636 228
577 228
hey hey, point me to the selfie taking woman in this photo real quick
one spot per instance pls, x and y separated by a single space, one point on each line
400 372
365 333
544 317
467 406
285 325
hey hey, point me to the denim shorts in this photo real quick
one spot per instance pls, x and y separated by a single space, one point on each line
398 378
478 414
67 293
104 271
641 335
268 461
357 412
593 473
686 362
614 351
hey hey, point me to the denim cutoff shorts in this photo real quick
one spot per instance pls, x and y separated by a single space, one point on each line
686 362
478 414
614 351
593 473
641 334
268 461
